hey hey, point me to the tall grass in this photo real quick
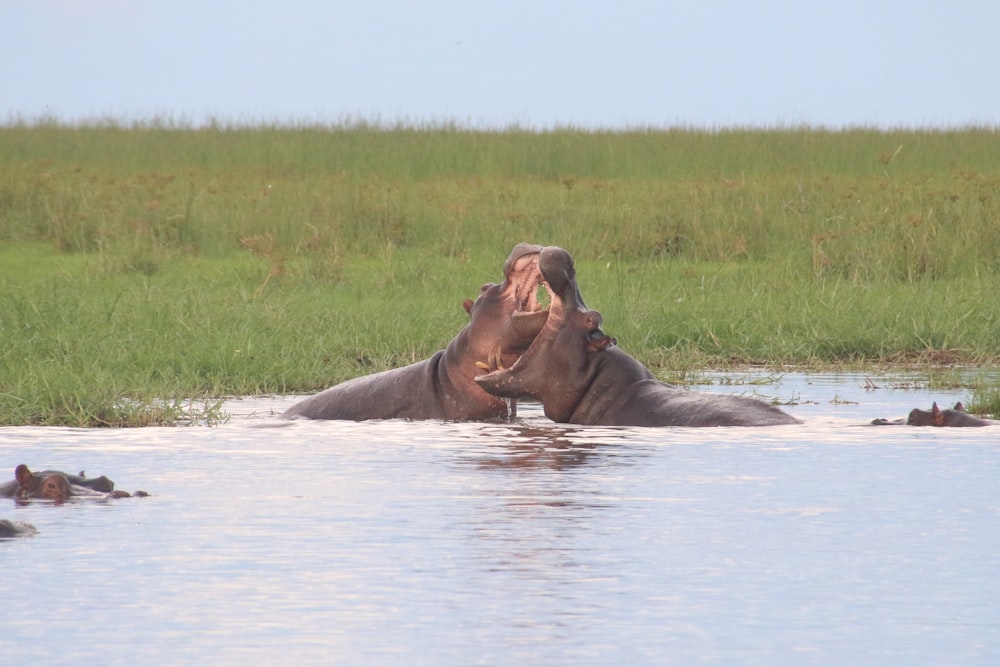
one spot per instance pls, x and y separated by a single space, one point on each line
147 264
856 204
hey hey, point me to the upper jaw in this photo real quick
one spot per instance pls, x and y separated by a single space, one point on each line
526 292
524 277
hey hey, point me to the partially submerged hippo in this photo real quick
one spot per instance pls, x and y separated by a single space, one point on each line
582 377
503 321
59 486
956 416
10 528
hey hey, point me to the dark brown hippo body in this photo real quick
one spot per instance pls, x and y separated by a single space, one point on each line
582 377
503 321
59 486
956 417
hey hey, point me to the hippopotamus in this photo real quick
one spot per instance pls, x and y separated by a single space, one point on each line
59 486
956 416
10 528
503 320
582 377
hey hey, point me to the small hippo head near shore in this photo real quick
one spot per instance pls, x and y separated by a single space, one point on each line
950 417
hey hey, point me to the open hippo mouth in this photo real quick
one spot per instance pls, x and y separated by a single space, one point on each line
527 313
556 273
550 273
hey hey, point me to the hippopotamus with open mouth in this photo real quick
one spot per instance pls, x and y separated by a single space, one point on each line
582 377
503 321
956 416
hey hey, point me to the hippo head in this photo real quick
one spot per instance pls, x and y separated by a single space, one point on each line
956 416
505 317
563 349
918 417
53 486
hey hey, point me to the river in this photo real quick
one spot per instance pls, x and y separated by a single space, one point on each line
530 543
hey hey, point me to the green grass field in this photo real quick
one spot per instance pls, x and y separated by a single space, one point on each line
148 265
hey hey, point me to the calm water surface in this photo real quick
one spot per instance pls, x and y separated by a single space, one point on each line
428 543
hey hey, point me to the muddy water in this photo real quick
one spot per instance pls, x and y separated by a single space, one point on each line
427 543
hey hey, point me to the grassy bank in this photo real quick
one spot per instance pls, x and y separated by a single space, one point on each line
147 265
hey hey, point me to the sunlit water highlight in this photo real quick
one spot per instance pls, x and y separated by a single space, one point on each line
428 543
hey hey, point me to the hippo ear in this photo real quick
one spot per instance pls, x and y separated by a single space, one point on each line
592 321
467 304
937 417
22 474
959 407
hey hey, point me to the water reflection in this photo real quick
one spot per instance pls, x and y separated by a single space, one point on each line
531 446
536 502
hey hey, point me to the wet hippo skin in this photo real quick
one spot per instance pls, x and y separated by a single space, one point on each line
10 528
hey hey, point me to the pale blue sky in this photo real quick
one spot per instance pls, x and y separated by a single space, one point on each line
535 63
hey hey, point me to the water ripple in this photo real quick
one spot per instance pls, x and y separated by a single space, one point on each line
516 543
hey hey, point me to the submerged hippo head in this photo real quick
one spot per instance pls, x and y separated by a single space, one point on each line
956 416
50 485
15 529
59 486
505 317
562 349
